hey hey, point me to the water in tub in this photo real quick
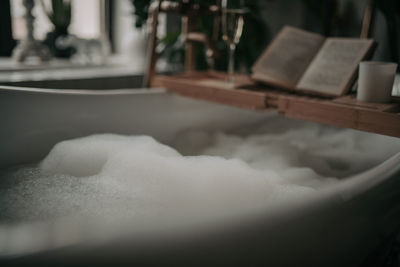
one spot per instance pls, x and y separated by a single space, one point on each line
201 176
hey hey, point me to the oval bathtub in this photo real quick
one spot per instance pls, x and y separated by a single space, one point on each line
340 226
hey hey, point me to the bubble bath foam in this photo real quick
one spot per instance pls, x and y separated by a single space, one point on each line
202 174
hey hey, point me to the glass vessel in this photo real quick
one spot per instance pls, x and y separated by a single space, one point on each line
232 28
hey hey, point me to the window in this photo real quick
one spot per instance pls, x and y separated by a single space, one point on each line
85 21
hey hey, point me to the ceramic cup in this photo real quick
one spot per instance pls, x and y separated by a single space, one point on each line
375 81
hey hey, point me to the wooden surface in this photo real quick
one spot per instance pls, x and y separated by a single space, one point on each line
213 87
377 118
345 111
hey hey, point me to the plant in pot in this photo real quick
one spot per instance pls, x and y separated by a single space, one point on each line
59 14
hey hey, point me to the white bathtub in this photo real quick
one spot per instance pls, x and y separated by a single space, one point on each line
341 226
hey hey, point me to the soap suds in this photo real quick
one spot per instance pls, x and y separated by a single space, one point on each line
214 174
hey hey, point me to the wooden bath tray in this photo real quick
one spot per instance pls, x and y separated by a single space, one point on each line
213 87
344 111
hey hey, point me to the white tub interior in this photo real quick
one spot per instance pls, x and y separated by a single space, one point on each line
38 119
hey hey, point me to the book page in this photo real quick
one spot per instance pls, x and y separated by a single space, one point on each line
286 59
333 70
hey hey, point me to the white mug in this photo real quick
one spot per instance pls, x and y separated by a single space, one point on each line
375 81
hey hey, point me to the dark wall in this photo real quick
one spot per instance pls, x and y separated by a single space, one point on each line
7 43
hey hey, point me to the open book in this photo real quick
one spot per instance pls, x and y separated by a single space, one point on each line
309 62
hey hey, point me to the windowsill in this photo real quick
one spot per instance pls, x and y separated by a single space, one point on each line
64 70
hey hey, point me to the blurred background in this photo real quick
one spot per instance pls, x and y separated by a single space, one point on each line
104 32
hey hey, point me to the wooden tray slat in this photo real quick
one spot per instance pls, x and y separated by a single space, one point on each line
193 85
343 115
345 111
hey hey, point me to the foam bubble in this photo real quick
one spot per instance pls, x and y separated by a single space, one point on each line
217 174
